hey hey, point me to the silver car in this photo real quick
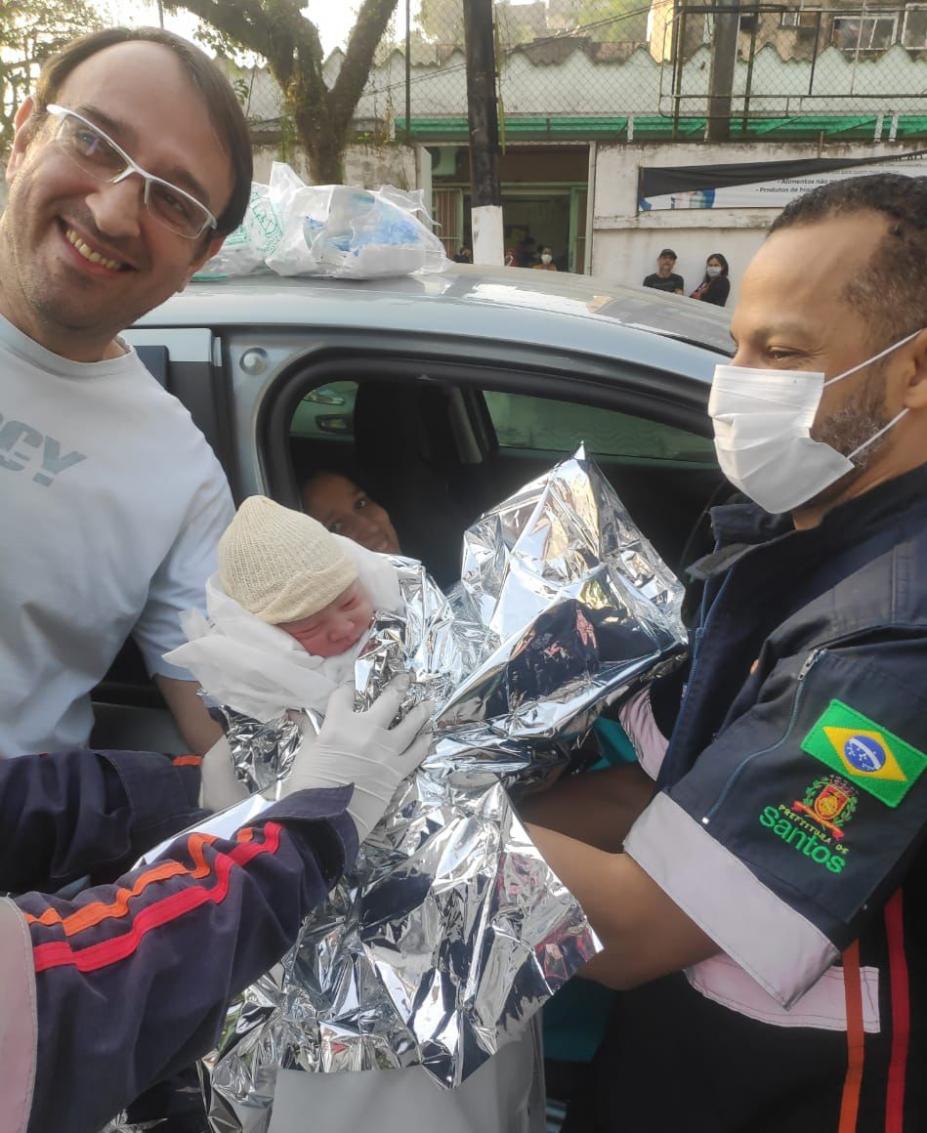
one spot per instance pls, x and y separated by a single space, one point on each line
438 395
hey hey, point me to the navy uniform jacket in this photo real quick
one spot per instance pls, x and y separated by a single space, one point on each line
105 994
790 825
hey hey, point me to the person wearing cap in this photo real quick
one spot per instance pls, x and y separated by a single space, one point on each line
285 568
664 278
289 599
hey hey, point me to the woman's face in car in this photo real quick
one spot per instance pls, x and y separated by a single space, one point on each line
344 508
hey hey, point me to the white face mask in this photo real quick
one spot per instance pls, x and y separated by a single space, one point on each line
546 258
712 271
762 421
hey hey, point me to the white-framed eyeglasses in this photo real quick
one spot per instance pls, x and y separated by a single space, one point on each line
97 154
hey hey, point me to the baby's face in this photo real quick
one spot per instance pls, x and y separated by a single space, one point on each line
336 627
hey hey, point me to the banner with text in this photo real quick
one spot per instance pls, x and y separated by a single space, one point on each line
770 184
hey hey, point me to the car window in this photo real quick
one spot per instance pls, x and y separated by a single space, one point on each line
326 411
542 424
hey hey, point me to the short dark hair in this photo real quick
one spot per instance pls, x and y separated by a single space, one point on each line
667 252
224 110
893 293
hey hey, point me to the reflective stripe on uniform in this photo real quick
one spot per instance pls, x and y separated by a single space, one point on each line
18 1026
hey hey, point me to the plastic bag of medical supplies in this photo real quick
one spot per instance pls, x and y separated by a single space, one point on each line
245 250
292 228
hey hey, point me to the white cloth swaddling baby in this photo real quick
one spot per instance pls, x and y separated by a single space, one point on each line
277 570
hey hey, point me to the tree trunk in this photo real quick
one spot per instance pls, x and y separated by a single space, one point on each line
325 154
276 30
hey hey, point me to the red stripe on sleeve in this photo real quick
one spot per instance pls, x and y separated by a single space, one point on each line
89 916
187 760
901 1014
59 953
853 1082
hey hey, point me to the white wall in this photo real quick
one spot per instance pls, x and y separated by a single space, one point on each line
625 245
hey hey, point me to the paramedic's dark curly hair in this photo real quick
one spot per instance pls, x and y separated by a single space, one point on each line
892 294
224 110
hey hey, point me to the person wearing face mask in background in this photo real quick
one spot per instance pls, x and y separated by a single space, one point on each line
716 286
768 856
547 260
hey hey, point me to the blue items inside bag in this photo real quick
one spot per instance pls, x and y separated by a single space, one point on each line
292 228
371 234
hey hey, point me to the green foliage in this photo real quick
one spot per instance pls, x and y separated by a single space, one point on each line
613 21
441 21
31 31
220 43
602 21
242 89
288 141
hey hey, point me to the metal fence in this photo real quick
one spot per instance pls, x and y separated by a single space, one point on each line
574 69
838 68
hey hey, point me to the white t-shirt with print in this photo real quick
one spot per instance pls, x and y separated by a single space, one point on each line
111 506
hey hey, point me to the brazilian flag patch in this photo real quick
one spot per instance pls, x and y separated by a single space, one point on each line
865 753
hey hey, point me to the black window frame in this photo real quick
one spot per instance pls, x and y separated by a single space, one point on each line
628 387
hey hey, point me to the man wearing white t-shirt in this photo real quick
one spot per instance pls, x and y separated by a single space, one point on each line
130 164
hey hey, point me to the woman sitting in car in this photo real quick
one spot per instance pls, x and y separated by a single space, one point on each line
428 529
346 509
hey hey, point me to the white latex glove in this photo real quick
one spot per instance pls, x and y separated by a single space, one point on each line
219 786
361 748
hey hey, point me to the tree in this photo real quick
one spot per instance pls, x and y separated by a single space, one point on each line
442 21
30 31
277 31
613 21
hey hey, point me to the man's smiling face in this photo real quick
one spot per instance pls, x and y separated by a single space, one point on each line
81 259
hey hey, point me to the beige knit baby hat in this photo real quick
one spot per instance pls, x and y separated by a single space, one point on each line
280 564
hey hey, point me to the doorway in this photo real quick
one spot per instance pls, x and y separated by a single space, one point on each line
544 202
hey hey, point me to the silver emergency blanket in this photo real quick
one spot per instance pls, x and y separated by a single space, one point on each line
451 931
121 1124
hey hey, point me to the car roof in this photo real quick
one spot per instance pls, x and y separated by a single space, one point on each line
556 309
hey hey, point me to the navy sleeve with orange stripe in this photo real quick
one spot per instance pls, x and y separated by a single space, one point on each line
80 812
132 980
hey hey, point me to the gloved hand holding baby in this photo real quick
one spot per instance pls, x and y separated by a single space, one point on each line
288 571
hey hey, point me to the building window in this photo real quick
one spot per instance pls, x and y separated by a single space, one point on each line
914 28
865 33
798 18
448 216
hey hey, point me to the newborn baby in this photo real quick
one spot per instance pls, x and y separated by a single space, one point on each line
288 612
288 570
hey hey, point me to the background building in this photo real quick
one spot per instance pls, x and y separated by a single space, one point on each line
594 93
